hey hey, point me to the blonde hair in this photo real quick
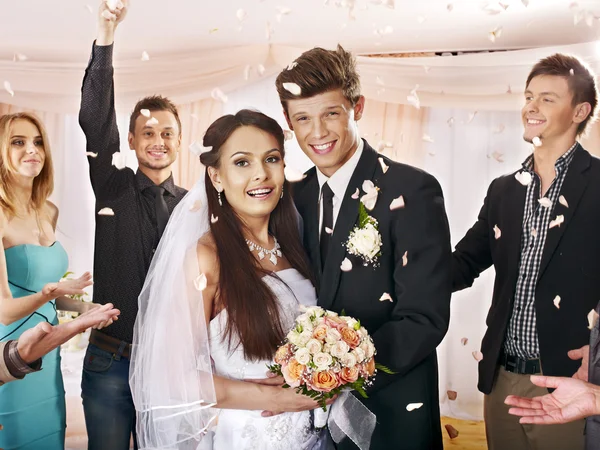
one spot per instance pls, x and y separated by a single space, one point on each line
43 184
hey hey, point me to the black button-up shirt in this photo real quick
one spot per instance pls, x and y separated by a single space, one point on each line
125 241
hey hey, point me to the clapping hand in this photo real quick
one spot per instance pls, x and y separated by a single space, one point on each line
68 287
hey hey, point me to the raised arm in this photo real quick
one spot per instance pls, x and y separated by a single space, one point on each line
473 254
421 313
97 116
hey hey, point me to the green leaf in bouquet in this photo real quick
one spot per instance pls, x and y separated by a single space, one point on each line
275 368
384 369
357 325
285 385
343 313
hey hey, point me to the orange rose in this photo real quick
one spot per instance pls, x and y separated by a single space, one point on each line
350 337
369 367
293 372
324 381
283 353
349 374
320 333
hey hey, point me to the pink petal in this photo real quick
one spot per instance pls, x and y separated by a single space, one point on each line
545 202
405 259
145 56
523 177
196 206
563 201
106 212
346 265
145 113
478 356
464 341
592 319
452 395
328 230
151 122
384 166
412 406
534 232
497 232
356 194
8 89
427 138
91 154
288 135
218 94
292 88
200 282
385 297
213 218
397 203
556 301
537 141
556 222
293 175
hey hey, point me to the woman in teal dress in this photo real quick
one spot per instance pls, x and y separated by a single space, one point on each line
32 262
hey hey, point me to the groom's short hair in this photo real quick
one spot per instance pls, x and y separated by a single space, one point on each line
317 71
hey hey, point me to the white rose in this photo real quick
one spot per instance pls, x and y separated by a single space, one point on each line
314 311
314 346
366 242
348 360
362 332
327 348
340 349
351 322
302 356
322 361
359 354
370 349
333 336
304 321
294 337
304 337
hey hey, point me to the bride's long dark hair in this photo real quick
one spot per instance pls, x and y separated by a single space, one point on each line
252 309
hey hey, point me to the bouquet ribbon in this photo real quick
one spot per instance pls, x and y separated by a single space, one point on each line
349 417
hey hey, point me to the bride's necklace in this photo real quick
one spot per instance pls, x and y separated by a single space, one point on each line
262 252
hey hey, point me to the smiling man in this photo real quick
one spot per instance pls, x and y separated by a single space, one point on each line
538 227
141 203
399 285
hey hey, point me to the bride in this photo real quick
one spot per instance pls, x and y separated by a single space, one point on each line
223 289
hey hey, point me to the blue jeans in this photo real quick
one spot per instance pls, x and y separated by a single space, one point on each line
107 403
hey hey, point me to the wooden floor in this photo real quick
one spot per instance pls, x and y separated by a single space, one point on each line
471 435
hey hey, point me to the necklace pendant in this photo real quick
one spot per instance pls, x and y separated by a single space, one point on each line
273 259
279 253
261 255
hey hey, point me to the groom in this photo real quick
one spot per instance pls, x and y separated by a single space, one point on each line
402 296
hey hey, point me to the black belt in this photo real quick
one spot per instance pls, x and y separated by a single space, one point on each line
518 365
110 344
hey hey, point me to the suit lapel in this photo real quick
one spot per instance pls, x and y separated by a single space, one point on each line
512 225
572 189
310 208
343 226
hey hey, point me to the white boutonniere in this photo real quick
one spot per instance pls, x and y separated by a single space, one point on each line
365 240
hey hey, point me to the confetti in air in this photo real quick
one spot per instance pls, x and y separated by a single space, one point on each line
145 112
293 175
106 212
405 259
563 201
412 406
545 202
537 141
356 194
213 218
145 56
346 265
592 319
556 301
524 178
478 356
91 154
292 88
151 122
497 232
385 297
218 94
556 222
8 89
397 203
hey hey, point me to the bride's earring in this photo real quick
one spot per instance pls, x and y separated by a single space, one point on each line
220 200
281 196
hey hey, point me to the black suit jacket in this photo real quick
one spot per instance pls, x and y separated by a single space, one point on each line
570 266
407 330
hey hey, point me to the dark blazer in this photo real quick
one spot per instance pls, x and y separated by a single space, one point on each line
407 330
570 266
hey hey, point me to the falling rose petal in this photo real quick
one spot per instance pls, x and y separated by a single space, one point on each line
218 94
537 141
499 129
247 72
379 81
356 194
90 9
213 218
524 178
371 193
545 202
504 5
413 98
478 356
452 395
292 88
328 230
464 341
450 122
260 69
495 34
196 206
119 160
241 15
452 432
151 122
397 203
213 30
471 117
592 319
426 69
525 3
385 297
498 156
384 166
556 301
200 282
534 232
195 117
91 154
412 406
427 138
450 7
106 212
8 89
197 148
291 66
405 259
268 31
563 201
509 90
145 56
19 57
293 175
497 232
346 265
288 135
421 19
556 222
112 4
145 112
572 72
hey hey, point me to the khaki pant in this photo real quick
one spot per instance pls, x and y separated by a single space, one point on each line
504 432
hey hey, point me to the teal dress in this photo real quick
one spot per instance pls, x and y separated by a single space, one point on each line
32 410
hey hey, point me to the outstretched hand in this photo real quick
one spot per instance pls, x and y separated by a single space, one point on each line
572 400
68 287
582 353
110 14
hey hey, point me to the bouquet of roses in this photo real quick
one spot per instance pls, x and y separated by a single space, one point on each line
324 354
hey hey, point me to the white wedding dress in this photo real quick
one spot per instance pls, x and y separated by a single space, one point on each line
247 430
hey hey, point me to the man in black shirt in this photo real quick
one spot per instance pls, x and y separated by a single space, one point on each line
132 212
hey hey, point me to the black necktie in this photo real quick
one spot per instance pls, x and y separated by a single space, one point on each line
160 206
327 201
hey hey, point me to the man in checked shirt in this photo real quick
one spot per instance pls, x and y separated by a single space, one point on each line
125 242
538 227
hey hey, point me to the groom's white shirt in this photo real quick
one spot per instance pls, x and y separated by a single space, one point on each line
338 183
